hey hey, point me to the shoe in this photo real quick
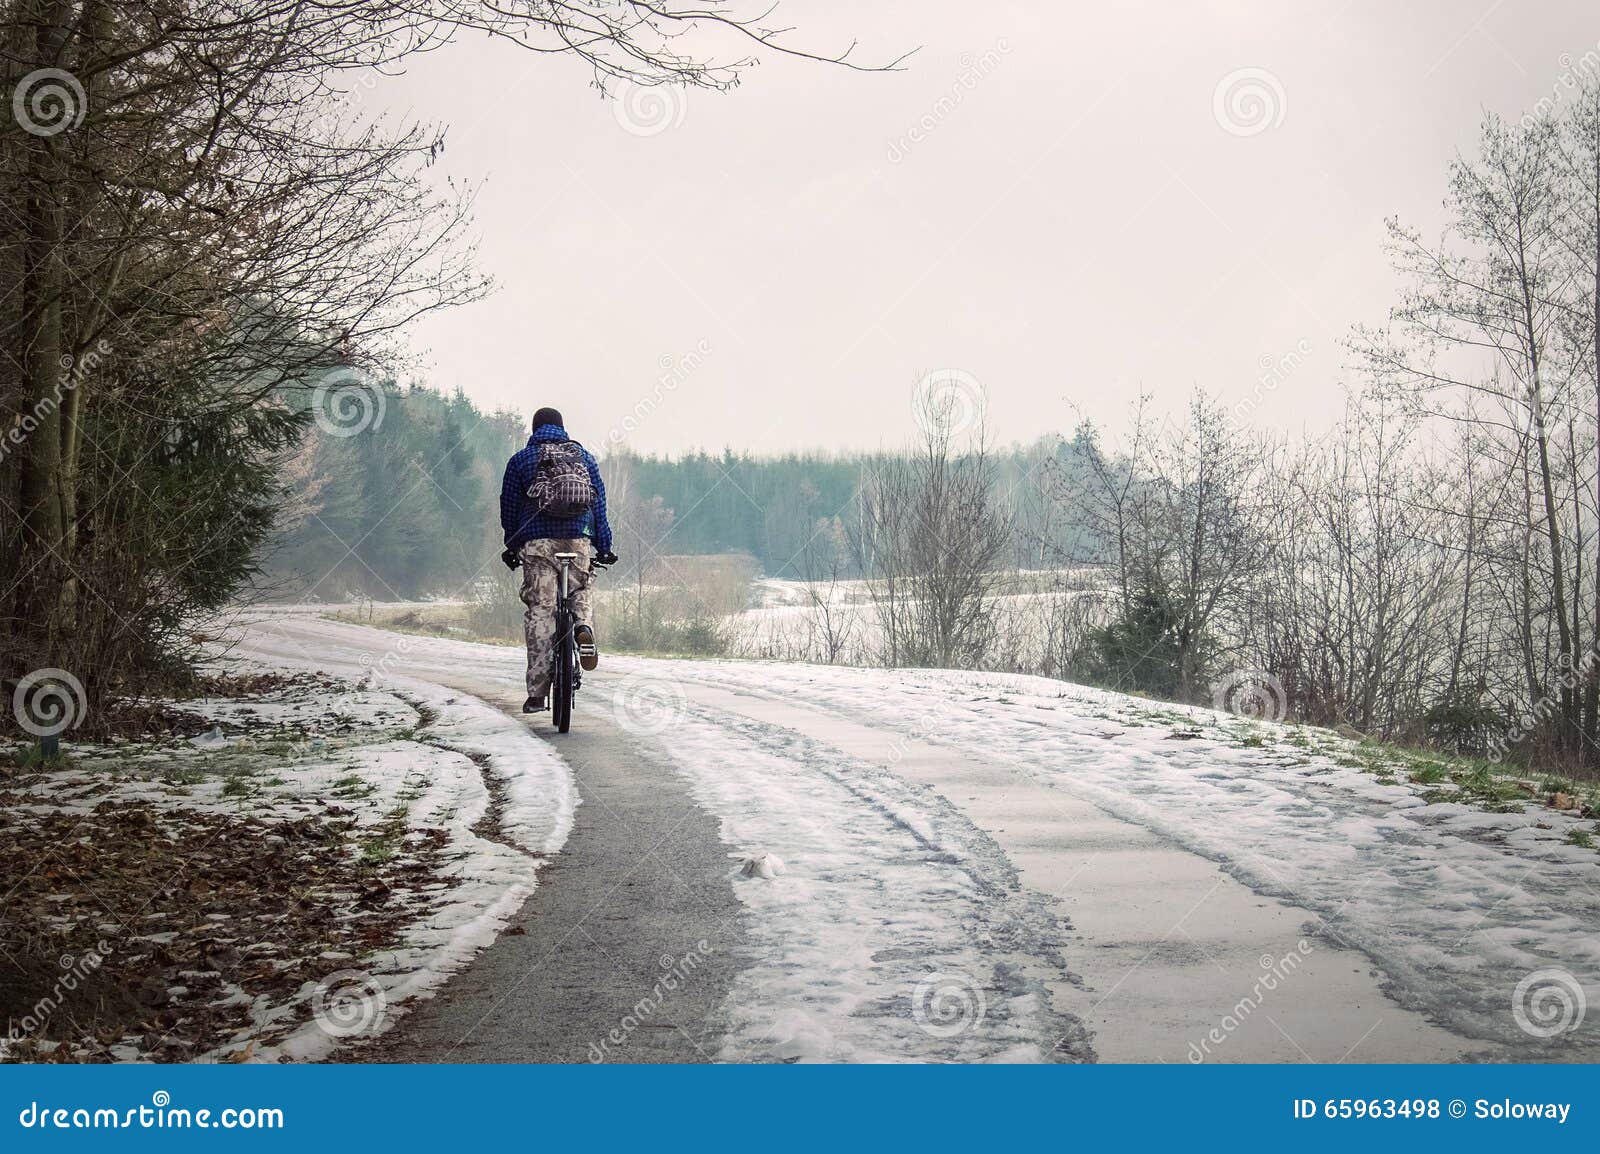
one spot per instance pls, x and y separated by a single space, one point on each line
588 654
533 705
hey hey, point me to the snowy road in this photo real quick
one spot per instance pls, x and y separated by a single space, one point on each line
779 862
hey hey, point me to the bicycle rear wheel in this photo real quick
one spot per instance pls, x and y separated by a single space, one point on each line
561 683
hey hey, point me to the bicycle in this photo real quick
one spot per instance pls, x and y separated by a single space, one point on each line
566 667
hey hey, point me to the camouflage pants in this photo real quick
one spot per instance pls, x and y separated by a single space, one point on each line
540 574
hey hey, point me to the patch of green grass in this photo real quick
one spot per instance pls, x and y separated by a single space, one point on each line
183 775
237 786
378 849
1252 741
382 845
1581 838
1429 773
1383 762
32 758
353 787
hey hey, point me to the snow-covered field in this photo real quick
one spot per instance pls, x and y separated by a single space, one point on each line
796 620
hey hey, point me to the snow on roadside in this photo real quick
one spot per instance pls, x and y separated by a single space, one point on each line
541 795
491 878
1456 904
536 799
337 853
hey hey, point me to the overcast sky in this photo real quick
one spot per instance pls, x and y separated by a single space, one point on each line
1055 198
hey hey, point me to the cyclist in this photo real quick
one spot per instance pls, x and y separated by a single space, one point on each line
552 500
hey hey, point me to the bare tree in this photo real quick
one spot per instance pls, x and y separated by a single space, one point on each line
931 541
1203 529
1491 335
198 211
831 624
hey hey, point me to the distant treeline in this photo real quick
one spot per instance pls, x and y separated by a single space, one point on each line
397 497
400 500
771 507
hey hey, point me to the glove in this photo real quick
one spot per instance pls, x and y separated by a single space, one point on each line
606 558
510 558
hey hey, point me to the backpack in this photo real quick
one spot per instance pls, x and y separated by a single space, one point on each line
561 486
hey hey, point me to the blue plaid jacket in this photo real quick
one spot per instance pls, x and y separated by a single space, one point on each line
517 516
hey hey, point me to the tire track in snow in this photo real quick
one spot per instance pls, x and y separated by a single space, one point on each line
897 931
1454 904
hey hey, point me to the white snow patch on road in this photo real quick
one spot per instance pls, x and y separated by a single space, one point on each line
893 930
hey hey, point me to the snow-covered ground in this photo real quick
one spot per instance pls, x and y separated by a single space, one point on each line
799 620
400 771
491 878
893 927
898 911
1457 905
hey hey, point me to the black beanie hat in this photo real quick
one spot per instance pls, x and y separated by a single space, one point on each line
548 416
